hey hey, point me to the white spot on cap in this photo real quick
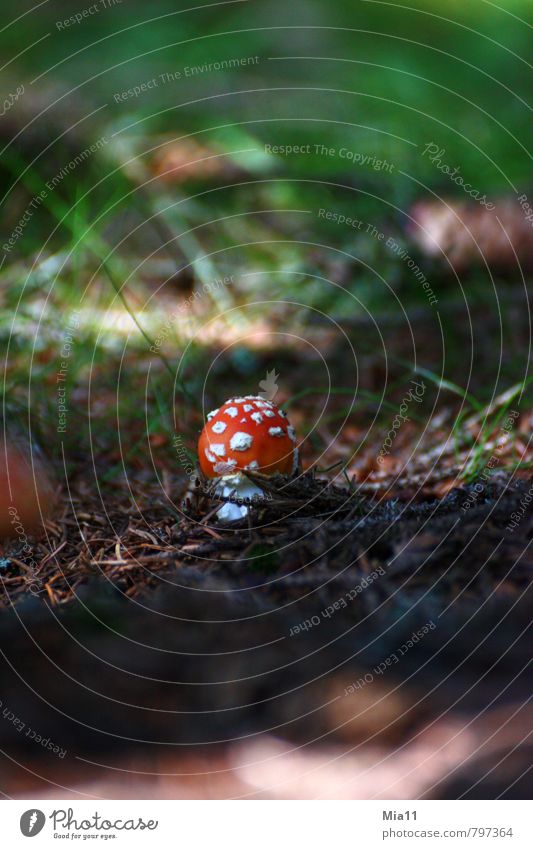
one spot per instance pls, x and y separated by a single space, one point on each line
261 404
210 457
244 420
291 433
257 417
219 449
283 414
253 466
223 467
247 408
269 413
238 400
276 431
232 411
219 427
240 441
212 414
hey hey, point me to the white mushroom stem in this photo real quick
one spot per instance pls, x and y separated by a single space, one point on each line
238 487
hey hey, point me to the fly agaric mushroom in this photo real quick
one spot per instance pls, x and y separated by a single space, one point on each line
245 434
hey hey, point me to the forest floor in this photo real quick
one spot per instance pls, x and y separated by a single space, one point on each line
364 631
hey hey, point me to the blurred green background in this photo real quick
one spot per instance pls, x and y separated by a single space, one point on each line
123 249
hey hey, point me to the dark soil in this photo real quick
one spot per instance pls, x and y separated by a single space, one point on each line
203 634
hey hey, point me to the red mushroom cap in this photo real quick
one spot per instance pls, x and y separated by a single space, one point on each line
247 434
